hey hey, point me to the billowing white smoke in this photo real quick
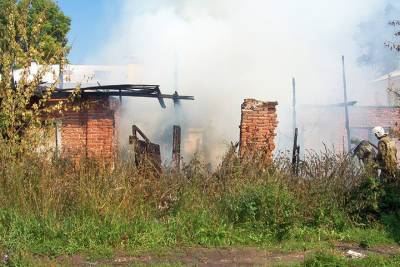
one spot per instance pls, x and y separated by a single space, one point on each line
372 34
229 50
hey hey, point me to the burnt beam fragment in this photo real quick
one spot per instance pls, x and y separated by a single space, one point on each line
144 150
119 90
176 146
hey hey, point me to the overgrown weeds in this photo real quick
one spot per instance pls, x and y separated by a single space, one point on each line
55 207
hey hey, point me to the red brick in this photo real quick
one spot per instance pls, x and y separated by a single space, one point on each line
90 131
257 128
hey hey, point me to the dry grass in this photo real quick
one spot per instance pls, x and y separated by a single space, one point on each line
55 207
58 186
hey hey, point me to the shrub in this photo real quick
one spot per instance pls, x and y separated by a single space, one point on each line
270 208
320 259
52 206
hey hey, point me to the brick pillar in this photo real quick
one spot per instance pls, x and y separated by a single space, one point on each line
257 127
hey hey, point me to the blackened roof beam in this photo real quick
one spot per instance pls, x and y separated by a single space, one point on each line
132 90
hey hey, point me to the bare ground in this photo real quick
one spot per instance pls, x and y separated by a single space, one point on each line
219 257
197 257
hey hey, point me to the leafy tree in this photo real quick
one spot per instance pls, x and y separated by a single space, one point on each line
53 30
30 31
371 35
395 44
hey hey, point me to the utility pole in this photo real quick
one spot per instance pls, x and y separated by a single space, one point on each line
294 118
176 72
346 108
177 105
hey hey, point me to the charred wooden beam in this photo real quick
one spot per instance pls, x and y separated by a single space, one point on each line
119 90
295 153
176 147
144 150
136 130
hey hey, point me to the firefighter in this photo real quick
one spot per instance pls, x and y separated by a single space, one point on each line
365 152
387 154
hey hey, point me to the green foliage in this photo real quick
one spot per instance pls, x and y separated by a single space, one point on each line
330 216
377 200
391 222
328 258
53 207
365 199
374 235
322 258
270 208
54 26
31 32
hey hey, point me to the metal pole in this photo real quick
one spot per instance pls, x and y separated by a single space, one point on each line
294 104
346 109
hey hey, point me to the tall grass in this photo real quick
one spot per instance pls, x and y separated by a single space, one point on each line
53 206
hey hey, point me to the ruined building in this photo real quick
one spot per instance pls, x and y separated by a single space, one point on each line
91 131
258 127
89 128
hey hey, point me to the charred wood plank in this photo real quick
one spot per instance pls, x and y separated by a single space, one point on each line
176 146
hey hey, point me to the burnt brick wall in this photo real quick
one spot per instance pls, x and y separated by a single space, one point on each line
257 127
90 132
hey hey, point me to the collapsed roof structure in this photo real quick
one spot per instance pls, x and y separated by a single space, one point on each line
92 131
120 90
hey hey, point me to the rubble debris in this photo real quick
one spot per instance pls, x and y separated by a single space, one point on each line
354 254
144 149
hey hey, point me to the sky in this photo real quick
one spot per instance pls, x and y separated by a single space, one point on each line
91 22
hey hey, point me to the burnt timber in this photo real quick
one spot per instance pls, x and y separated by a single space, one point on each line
145 149
176 146
132 90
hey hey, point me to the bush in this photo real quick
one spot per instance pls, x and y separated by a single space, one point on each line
322 259
270 208
52 206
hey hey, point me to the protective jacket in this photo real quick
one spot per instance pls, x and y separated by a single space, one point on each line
387 156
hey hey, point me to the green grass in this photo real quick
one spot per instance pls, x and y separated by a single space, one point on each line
103 237
369 237
329 258
53 208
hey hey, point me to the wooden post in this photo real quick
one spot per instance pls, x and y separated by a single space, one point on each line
346 109
176 147
295 152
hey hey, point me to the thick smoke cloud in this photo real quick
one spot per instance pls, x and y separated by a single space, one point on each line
227 50
374 32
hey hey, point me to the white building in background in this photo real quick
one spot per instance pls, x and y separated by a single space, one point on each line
388 89
103 74
88 74
325 124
